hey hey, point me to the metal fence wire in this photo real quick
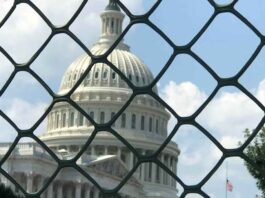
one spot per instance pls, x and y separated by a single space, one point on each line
186 49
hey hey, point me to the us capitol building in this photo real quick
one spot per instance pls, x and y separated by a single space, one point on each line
107 160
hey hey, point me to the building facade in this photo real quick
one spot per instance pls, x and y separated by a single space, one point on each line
101 94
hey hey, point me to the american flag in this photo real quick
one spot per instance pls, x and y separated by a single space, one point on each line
229 186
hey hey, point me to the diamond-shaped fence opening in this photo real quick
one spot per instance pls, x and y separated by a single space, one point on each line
225 40
181 85
57 56
145 37
222 123
198 155
112 162
231 49
180 26
66 123
53 10
145 118
24 26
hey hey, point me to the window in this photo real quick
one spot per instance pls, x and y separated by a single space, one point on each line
142 123
123 120
113 75
133 121
72 117
150 124
105 74
96 74
81 119
102 117
112 26
64 120
130 77
137 78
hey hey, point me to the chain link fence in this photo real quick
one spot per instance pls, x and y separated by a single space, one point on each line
186 49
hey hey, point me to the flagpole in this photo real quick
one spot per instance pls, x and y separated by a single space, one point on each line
226 165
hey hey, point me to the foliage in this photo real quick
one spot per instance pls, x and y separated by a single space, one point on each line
6 192
256 152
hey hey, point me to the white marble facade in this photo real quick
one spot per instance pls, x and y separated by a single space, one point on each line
107 160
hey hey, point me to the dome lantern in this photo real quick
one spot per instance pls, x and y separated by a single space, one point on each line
112 19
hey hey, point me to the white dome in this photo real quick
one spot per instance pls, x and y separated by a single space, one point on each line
101 75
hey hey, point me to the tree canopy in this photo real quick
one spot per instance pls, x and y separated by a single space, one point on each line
256 152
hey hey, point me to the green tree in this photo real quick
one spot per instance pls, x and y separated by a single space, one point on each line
256 152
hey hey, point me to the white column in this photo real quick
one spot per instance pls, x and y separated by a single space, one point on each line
69 192
130 160
142 168
105 150
162 172
30 183
40 182
96 193
119 152
60 190
87 192
153 176
50 191
78 190
92 150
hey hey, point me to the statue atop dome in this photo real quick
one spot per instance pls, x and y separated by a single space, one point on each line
113 6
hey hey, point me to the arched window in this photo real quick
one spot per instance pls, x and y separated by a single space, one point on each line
130 77
96 74
113 75
133 121
123 120
142 122
105 74
64 120
102 117
150 124
137 78
72 119
157 125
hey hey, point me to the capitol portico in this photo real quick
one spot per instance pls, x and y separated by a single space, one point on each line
101 94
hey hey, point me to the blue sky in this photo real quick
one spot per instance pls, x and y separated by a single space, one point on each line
226 46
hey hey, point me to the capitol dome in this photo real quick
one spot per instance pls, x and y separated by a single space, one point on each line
101 95
101 75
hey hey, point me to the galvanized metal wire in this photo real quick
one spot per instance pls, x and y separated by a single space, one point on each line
191 120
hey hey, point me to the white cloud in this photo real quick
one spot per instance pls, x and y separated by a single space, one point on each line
184 98
25 114
261 92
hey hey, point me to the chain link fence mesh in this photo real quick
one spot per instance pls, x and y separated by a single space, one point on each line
186 49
